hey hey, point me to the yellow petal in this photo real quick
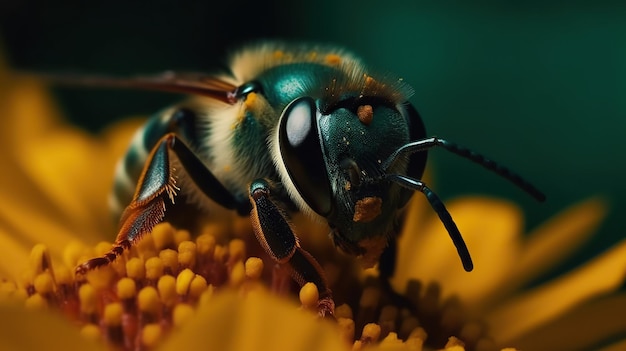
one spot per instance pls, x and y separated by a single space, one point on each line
532 309
491 228
616 346
585 327
27 112
14 253
22 329
67 168
259 321
555 240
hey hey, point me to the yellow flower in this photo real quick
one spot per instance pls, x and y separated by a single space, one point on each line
54 189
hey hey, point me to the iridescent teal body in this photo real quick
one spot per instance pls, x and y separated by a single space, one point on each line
289 128
239 143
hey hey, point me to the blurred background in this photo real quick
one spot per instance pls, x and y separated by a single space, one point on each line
536 85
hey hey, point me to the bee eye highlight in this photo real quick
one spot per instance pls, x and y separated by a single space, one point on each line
299 123
302 154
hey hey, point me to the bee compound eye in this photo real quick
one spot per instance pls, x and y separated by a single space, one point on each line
302 154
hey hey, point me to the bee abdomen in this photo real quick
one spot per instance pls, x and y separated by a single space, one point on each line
128 171
181 121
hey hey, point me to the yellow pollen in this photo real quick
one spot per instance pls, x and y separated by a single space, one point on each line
88 299
135 268
187 254
346 328
183 282
206 296
181 235
205 244
254 267
371 333
44 284
133 303
113 314
126 288
102 277
237 274
309 295
163 236
63 276
344 311
154 268
169 258
91 332
237 251
36 302
197 287
151 334
72 254
148 301
278 54
416 339
220 253
391 341
167 290
182 312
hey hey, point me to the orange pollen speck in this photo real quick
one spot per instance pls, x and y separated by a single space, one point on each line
365 113
333 59
367 209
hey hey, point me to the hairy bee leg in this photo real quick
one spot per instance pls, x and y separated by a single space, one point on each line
279 240
156 184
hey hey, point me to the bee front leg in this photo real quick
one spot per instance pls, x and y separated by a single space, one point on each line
279 240
156 187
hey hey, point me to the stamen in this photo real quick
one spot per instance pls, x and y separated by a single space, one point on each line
169 258
151 335
254 268
135 301
112 319
167 290
149 304
154 269
187 254
136 269
309 296
182 313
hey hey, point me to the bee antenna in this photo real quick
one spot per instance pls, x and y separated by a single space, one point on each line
442 212
425 144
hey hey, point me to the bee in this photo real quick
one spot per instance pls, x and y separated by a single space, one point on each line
288 128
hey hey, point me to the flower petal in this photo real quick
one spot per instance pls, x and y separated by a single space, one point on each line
543 304
491 229
27 112
22 329
556 239
259 321
616 346
585 327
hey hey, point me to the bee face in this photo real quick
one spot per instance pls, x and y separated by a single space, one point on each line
334 159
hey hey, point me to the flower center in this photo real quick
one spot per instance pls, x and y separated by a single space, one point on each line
158 284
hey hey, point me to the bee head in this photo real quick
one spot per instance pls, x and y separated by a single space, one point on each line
333 155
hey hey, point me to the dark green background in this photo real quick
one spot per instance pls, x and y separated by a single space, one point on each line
537 85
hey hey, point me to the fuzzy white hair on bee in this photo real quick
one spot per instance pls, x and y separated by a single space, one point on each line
288 128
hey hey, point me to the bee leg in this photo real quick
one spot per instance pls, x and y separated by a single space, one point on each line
279 240
156 184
